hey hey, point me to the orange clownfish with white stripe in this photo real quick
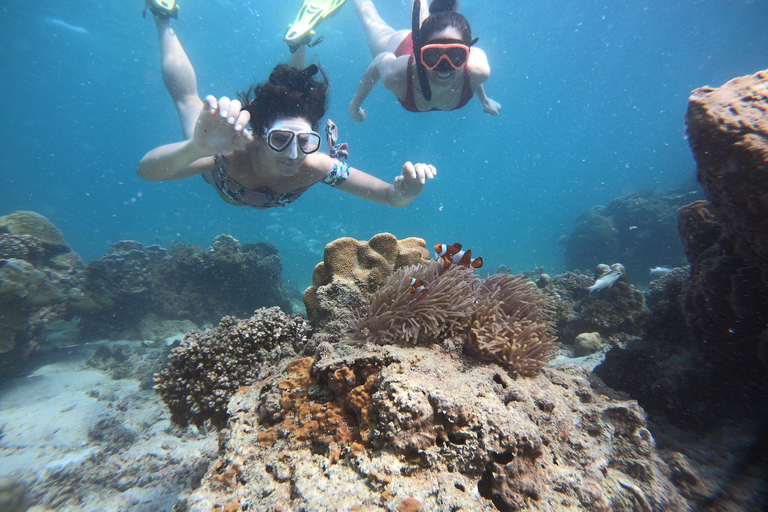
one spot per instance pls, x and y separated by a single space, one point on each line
417 287
453 254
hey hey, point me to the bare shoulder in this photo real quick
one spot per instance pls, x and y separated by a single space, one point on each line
318 164
479 69
394 74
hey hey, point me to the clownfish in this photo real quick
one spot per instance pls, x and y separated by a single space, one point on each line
417 286
452 254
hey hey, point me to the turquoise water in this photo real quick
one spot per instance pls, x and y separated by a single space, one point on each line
593 97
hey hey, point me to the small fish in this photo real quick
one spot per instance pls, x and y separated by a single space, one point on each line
68 26
418 286
605 281
453 254
658 272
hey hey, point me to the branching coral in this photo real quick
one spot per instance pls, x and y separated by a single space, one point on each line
502 318
395 315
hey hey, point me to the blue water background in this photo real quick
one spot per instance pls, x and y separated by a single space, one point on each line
593 97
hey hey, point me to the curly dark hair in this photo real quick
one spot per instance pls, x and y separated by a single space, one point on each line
442 14
289 92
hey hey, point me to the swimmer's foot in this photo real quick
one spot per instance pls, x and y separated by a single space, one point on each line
162 9
312 13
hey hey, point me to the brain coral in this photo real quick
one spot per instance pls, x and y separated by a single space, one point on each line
358 267
32 223
503 318
209 367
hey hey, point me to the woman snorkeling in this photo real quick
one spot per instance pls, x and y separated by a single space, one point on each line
434 66
278 158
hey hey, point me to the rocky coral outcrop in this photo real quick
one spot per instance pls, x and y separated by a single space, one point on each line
728 133
712 371
36 225
40 280
638 230
377 428
614 311
357 269
132 283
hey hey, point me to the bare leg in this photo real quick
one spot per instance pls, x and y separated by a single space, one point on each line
299 57
381 37
179 77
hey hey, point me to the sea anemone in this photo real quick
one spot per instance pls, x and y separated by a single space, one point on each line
503 318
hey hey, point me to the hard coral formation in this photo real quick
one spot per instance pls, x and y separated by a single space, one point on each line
23 291
638 230
209 367
36 225
21 247
712 372
455 433
503 318
132 282
358 268
728 133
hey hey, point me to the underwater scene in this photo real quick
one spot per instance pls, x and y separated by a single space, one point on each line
542 283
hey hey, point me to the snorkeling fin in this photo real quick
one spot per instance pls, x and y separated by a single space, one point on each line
162 9
312 13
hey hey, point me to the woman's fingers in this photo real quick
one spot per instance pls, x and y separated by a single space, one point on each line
242 120
234 111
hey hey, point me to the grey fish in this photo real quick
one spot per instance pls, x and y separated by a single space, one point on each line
605 281
658 272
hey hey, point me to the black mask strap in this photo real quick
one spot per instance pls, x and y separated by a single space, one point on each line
426 90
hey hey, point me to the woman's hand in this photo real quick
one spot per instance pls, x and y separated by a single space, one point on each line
412 180
491 107
357 113
221 126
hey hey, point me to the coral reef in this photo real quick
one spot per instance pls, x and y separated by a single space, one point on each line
209 367
21 247
728 133
40 282
387 427
712 372
36 225
23 290
503 318
617 310
358 268
639 230
132 283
